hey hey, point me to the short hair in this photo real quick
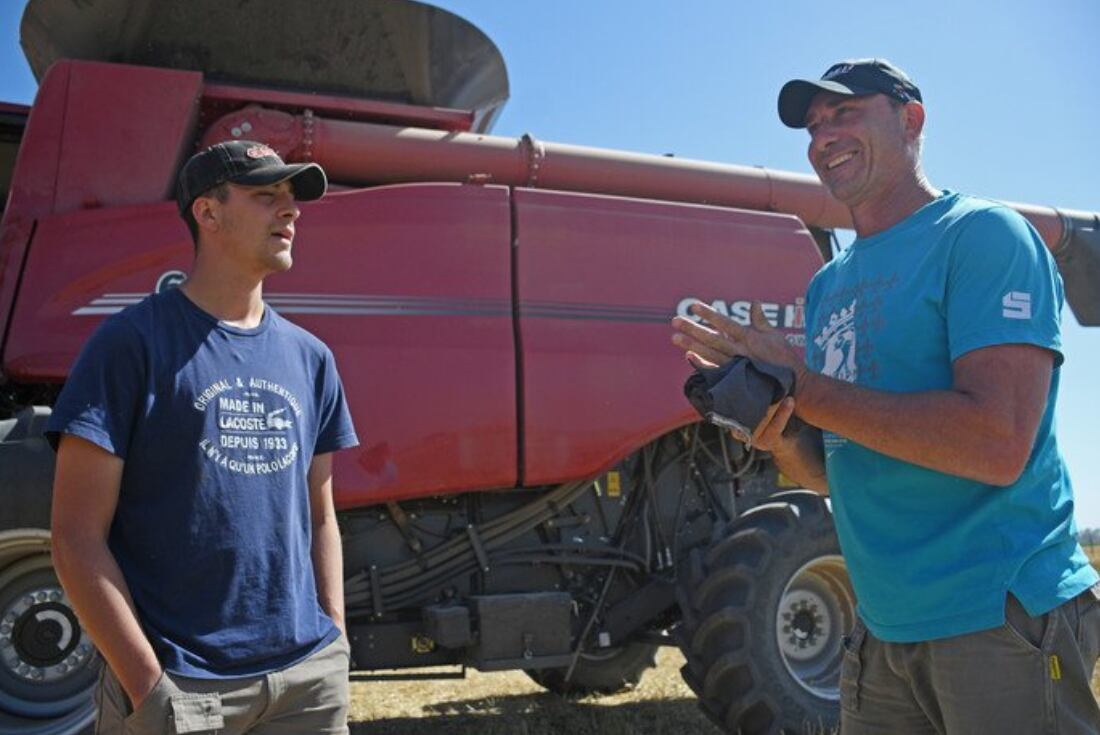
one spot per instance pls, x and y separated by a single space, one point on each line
219 192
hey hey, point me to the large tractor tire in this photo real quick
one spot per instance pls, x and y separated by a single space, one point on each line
609 672
765 611
48 667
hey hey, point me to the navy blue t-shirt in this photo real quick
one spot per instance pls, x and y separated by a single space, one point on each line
217 427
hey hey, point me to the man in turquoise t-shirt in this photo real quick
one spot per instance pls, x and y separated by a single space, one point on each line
932 365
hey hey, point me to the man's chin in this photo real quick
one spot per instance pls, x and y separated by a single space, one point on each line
280 262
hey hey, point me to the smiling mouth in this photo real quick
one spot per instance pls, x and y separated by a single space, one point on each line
839 160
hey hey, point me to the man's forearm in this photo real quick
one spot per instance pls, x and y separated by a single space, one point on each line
946 430
803 460
328 568
95 587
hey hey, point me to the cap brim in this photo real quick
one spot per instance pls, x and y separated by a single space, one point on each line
797 94
308 179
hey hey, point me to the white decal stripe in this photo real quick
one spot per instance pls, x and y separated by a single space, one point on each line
90 310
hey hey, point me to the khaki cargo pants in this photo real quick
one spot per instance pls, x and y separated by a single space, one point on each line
308 697
1031 676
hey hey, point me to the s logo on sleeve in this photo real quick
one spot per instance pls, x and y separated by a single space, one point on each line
1017 305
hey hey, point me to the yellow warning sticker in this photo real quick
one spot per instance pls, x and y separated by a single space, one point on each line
1055 668
614 485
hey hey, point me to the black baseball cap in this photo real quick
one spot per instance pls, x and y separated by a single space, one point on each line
248 163
855 77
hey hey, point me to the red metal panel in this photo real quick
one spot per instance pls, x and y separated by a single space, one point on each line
598 280
33 181
127 130
409 285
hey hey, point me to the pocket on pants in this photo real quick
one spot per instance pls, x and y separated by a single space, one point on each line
851 669
196 712
166 709
1026 631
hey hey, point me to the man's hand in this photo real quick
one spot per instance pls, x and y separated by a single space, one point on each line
722 339
768 435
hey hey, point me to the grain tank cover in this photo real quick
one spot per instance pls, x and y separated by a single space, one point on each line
396 50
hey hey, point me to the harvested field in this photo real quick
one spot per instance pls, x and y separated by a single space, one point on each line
511 704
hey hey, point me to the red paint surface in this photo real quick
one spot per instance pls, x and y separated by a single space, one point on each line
596 389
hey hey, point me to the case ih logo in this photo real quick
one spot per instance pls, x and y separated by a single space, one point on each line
783 316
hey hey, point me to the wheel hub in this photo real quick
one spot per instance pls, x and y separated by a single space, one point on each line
815 610
40 637
805 624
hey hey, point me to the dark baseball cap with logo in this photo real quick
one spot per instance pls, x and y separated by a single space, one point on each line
856 77
248 163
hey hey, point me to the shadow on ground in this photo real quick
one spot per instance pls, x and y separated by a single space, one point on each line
546 714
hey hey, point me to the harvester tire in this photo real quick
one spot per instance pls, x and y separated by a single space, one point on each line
610 673
765 609
48 667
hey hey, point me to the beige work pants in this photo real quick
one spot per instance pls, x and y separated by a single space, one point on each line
1030 676
308 697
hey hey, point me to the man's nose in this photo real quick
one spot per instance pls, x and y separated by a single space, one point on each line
823 136
288 207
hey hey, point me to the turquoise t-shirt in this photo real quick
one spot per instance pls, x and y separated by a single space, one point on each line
932 555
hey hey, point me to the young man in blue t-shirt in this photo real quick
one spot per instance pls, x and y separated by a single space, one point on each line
931 372
193 521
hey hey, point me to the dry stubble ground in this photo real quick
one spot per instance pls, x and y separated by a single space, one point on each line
511 704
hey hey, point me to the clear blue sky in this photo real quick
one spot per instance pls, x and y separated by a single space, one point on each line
1012 91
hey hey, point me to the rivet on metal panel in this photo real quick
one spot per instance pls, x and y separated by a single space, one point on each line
536 154
307 134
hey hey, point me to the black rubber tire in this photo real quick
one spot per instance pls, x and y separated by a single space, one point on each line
617 672
730 596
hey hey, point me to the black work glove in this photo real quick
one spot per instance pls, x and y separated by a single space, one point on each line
738 394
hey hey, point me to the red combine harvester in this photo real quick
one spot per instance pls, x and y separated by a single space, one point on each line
532 492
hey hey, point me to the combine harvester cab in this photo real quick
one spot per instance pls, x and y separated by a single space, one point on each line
533 491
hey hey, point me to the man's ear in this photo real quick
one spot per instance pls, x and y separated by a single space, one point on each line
206 213
914 119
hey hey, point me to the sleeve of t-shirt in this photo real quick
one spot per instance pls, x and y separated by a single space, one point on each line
1002 286
102 397
334 429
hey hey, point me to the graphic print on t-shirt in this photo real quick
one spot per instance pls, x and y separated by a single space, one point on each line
838 343
253 425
